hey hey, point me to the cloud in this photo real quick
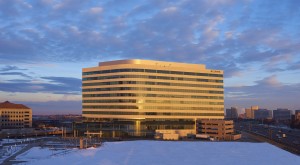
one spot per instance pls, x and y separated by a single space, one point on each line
19 80
294 66
190 31
68 81
267 92
148 33
95 10
10 68
56 85
233 35
169 10
15 74
270 81
17 49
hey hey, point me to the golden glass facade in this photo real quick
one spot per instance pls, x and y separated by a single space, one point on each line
152 89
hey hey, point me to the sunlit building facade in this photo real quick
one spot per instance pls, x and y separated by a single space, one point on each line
218 129
141 96
250 112
14 116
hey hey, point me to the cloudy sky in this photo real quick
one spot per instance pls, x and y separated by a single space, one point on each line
45 43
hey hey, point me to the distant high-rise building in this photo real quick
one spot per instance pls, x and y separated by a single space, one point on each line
139 96
241 110
231 113
282 114
242 115
255 107
15 116
297 114
250 112
262 114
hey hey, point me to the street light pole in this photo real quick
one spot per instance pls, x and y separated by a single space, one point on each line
270 134
86 143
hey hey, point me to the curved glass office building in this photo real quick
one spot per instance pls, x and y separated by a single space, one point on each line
137 97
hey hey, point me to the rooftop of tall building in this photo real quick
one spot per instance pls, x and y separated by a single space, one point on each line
159 64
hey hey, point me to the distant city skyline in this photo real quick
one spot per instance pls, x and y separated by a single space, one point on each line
45 44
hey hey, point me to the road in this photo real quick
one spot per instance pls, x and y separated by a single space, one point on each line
288 139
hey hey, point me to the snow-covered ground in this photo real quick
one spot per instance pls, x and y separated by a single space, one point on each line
7 151
12 141
47 154
165 153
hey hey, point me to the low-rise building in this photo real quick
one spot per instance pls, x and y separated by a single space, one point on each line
218 129
15 116
172 134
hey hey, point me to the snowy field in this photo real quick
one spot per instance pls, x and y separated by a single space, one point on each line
165 153
7 151
13 141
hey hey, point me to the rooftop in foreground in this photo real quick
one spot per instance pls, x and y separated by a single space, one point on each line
168 153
